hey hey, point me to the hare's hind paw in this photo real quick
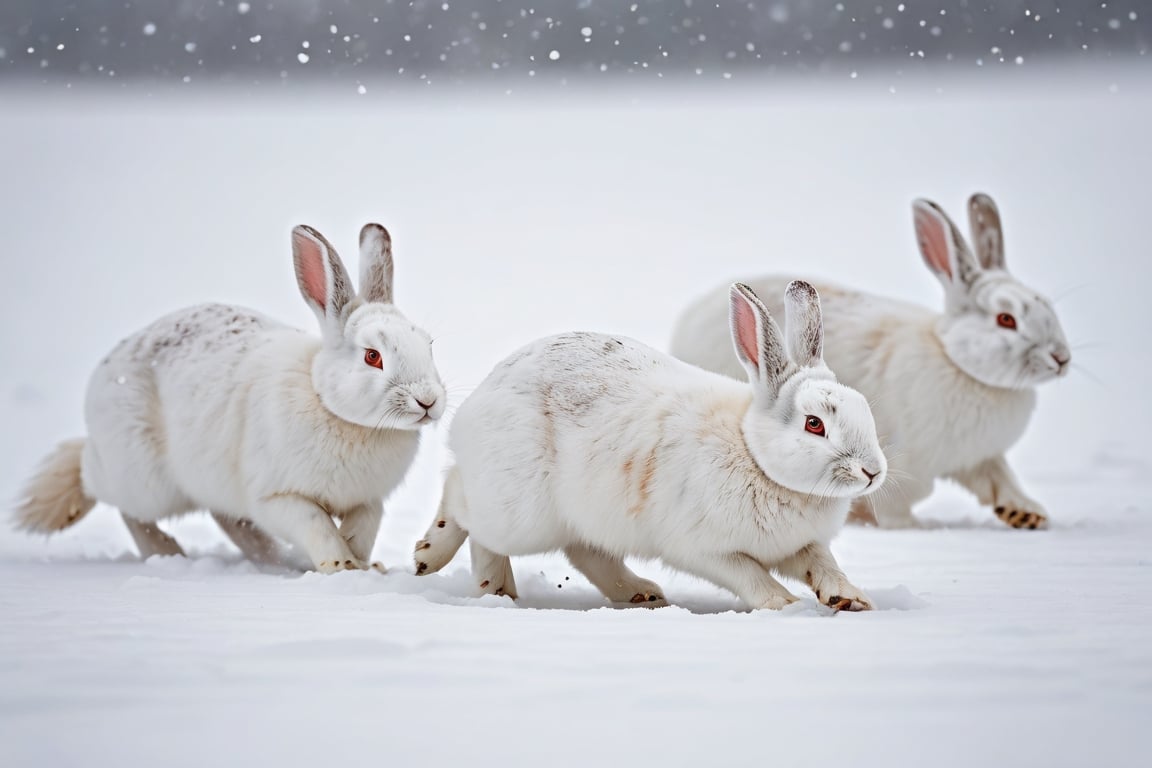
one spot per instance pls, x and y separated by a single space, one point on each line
648 599
1019 518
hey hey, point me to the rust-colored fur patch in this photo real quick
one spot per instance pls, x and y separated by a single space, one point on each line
640 474
549 424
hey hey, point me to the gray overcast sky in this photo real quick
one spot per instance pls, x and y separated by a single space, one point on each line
269 40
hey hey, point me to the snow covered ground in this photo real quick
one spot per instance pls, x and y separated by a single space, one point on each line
517 216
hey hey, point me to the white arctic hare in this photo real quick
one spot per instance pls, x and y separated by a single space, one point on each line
603 448
220 408
951 391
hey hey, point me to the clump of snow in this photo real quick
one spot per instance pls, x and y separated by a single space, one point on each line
897 598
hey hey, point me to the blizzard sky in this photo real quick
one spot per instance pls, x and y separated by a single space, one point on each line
515 41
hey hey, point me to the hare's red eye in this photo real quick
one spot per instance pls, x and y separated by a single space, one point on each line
372 358
1005 320
814 425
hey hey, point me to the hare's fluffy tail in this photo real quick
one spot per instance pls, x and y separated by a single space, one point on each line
444 536
54 498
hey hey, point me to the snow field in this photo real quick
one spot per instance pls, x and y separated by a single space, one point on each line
545 213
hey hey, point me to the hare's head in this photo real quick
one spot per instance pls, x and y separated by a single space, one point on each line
374 367
996 329
806 431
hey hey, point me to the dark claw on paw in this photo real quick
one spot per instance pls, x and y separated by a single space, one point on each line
643 598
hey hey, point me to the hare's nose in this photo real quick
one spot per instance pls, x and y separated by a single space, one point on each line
1062 358
426 406
870 475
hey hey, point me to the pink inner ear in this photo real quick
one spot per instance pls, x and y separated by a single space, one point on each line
933 239
746 330
312 269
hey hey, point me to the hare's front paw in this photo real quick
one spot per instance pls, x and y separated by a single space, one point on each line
334 566
846 603
842 596
1020 516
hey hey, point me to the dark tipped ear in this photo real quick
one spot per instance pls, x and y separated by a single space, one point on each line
757 338
323 281
804 324
943 249
375 264
987 233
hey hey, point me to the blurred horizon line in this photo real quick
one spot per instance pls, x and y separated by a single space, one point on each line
1110 78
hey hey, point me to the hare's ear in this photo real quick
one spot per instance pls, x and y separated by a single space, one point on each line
323 280
804 325
943 249
759 344
375 264
987 234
